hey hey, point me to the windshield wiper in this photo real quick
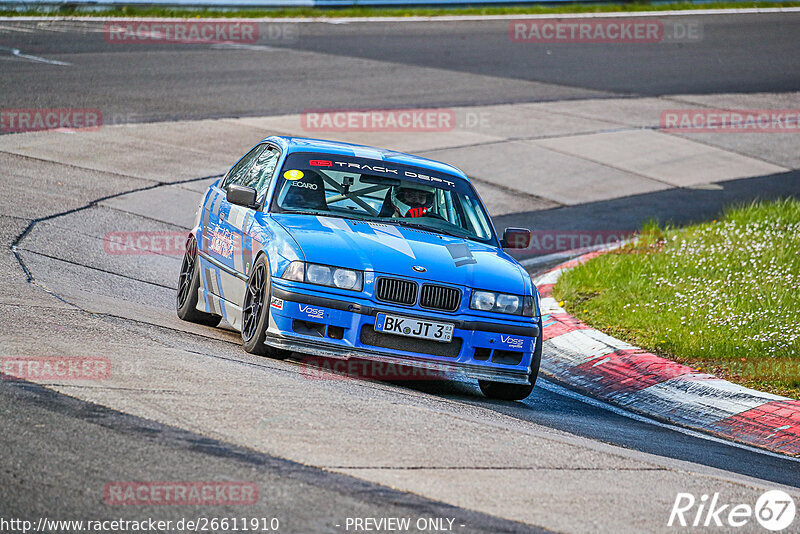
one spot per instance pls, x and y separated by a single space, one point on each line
425 227
323 214
382 220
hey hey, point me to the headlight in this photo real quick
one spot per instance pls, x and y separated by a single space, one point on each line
295 271
499 302
483 300
345 278
319 274
324 275
508 303
530 306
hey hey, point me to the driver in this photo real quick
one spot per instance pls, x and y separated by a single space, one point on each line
412 200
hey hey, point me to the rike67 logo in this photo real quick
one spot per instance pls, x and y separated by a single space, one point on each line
774 510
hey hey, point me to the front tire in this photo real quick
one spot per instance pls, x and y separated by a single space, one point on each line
188 284
255 312
515 392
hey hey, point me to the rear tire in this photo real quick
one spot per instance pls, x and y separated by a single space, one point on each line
188 284
514 392
255 312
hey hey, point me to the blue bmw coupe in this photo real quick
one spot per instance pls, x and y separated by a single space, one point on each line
345 251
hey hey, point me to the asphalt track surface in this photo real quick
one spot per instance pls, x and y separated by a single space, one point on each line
362 65
56 448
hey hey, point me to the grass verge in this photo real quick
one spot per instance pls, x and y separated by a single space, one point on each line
722 297
308 12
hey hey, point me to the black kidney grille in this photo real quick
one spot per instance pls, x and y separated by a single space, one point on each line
396 291
440 297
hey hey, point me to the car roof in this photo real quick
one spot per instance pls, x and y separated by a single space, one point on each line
303 144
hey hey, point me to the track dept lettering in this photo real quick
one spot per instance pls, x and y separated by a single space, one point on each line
364 167
590 31
180 493
384 170
34 120
56 368
731 121
379 120
180 32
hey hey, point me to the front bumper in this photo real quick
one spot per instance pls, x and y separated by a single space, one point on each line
321 324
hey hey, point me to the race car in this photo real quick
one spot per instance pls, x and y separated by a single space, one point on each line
344 251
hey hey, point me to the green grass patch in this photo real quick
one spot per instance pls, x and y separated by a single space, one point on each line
722 297
309 12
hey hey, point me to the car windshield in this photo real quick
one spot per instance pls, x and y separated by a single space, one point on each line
359 188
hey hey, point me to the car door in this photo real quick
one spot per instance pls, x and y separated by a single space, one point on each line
235 221
259 176
218 241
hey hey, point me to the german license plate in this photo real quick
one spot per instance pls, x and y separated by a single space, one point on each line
406 326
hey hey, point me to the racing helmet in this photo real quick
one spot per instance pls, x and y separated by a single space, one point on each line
411 199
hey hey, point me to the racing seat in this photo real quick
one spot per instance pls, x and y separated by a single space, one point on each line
307 193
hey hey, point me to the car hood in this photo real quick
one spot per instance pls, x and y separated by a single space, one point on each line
394 249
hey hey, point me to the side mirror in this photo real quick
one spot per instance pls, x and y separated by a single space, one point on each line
242 195
516 238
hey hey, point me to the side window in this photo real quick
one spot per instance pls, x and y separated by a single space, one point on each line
237 173
260 174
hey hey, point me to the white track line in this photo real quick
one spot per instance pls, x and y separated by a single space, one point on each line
560 390
36 59
243 46
19 29
443 18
